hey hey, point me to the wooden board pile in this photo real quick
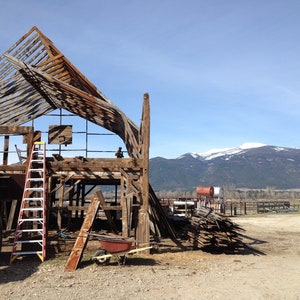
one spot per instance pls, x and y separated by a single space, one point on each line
209 230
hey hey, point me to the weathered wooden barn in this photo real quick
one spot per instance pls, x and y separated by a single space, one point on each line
37 80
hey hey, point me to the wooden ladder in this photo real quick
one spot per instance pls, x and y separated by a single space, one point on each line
31 231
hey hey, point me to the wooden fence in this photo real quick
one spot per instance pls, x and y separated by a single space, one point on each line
258 207
186 206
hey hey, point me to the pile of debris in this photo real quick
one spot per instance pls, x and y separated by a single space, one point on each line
209 230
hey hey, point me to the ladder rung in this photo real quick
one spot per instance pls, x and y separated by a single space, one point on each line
35 179
36 170
33 209
29 230
30 220
36 189
29 241
33 199
27 252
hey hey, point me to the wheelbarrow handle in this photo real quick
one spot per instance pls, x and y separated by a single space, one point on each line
139 249
110 237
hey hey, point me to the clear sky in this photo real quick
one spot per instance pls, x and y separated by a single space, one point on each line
219 73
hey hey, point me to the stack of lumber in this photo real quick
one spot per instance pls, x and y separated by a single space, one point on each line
207 229
160 224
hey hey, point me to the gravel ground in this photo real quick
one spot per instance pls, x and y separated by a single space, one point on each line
269 268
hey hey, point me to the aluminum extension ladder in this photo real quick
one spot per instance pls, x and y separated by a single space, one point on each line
31 230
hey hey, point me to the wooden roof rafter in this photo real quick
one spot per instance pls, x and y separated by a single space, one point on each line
36 78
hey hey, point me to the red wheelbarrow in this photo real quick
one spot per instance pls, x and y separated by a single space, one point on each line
116 246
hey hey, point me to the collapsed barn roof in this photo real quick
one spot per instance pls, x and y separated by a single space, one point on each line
36 78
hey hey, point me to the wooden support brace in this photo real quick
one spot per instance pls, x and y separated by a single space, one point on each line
11 214
82 239
107 212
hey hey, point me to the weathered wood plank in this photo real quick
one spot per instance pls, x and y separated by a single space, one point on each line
11 214
99 165
5 150
82 238
12 168
15 129
107 212
85 208
143 228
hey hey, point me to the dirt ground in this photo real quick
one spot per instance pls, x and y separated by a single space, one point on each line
268 268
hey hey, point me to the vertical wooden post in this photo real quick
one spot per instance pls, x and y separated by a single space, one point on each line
6 148
70 213
124 207
30 141
11 214
1 210
77 201
82 198
143 226
60 203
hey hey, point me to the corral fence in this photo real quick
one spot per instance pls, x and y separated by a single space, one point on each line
234 208
186 206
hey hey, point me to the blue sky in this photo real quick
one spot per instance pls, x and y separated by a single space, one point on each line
219 73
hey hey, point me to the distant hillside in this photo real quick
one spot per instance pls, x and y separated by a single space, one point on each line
253 166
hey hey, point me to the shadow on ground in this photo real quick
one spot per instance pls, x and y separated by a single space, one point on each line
19 269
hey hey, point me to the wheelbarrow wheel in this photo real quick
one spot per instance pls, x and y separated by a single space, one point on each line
101 261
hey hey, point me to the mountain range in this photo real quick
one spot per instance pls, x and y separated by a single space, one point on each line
251 165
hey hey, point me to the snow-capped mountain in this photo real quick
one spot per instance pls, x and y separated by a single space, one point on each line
214 153
251 165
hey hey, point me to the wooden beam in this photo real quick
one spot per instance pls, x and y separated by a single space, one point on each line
72 186
6 149
99 164
15 129
124 207
11 214
143 227
85 208
110 220
82 239
60 203
13 168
